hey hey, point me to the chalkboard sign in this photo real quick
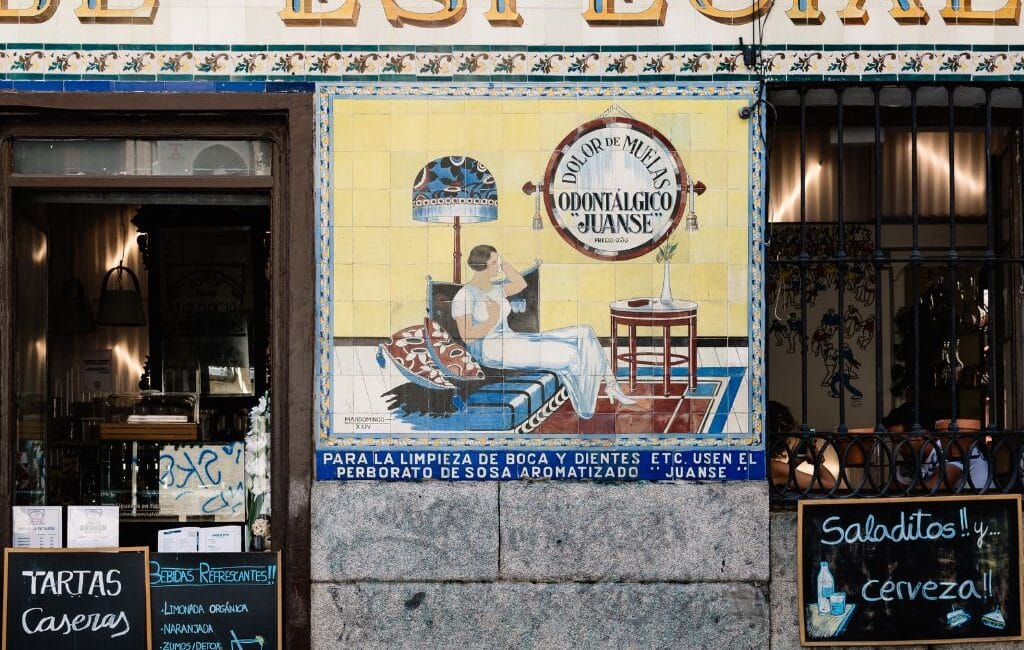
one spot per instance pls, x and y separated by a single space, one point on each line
76 598
216 600
911 571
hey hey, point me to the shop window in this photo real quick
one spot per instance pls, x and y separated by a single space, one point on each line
142 335
94 157
894 282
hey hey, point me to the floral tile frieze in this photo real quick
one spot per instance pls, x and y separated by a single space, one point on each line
312 63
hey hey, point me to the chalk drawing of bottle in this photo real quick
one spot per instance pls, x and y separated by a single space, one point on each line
826 585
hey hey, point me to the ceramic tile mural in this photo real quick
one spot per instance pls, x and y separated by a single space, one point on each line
540 282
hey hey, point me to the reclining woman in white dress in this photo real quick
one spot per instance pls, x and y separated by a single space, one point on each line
481 309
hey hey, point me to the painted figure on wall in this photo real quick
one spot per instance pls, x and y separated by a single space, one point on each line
574 353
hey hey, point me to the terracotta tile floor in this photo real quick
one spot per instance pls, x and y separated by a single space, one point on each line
652 413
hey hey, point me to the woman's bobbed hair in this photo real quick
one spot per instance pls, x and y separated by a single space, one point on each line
479 256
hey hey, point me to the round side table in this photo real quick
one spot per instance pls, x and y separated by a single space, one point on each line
651 312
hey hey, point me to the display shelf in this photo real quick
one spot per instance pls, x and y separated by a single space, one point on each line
149 431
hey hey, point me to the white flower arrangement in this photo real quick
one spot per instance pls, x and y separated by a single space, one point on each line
257 462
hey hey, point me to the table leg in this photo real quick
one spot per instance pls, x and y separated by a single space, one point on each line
632 358
666 358
693 355
615 349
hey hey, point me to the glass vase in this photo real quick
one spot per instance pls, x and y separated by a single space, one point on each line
666 285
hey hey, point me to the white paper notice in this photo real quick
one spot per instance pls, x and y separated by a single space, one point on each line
178 540
96 368
37 527
220 539
92 526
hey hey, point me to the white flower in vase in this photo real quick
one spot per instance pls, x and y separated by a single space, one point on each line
260 485
257 465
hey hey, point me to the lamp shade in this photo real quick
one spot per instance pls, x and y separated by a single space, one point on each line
121 305
454 187
71 313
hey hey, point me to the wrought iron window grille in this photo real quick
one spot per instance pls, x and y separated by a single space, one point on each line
895 279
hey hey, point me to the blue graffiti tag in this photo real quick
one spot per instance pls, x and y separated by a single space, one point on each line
198 471
191 468
220 501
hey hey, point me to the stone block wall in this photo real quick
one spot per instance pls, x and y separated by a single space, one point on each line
540 565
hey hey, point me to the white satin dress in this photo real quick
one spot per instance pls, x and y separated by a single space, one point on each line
573 353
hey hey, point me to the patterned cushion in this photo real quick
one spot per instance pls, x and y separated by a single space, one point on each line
451 358
408 350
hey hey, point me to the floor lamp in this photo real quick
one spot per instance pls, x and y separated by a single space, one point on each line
455 190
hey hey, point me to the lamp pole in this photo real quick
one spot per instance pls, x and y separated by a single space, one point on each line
457 270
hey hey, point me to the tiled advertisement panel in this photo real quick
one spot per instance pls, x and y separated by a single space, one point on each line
510 370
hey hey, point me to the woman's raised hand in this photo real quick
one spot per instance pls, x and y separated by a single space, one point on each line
515 283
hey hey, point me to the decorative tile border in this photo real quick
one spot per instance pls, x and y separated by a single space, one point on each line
497 63
325 97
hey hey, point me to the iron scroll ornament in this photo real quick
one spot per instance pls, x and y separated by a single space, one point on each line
678 183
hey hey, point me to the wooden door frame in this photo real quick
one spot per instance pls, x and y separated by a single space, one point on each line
286 119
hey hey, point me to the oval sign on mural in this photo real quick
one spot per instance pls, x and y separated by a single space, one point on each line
615 188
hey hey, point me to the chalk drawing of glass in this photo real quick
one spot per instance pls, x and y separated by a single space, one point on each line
245 644
837 601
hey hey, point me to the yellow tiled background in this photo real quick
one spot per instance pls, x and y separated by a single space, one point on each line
382 257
